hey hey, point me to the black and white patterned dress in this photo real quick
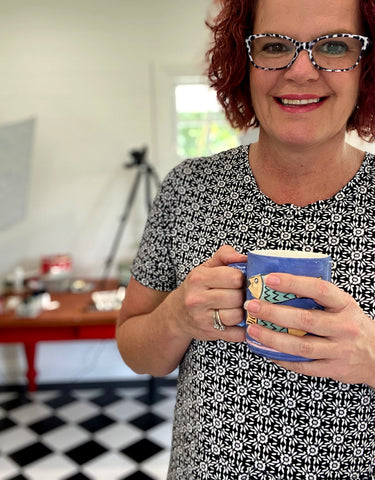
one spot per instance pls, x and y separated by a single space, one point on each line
239 416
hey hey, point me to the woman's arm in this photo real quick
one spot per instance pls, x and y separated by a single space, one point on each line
145 335
155 328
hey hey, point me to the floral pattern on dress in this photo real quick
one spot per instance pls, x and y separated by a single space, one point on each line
239 416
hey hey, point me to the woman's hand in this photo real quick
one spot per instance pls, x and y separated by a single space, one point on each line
343 341
209 287
155 328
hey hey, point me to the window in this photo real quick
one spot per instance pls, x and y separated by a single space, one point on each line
201 126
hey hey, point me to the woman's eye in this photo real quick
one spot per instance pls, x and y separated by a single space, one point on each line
333 48
276 48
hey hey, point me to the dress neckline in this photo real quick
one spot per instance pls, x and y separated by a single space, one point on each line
319 204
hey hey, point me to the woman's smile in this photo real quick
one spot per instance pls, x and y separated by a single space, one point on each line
300 103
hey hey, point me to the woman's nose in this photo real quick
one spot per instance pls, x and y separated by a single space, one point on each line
302 69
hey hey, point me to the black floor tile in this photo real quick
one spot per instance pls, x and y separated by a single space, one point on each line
19 401
96 423
46 425
151 398
147 421
78 476
60 400
6 423
106 399
30 454
85 452
142 450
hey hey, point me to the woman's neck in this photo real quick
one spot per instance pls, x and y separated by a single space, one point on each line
303 175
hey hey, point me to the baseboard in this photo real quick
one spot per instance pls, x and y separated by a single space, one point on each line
66 386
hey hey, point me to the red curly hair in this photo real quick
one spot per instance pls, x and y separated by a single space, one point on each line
229 68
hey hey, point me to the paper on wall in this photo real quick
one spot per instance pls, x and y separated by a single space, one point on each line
16 142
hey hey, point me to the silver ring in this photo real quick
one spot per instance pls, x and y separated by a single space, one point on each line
218 324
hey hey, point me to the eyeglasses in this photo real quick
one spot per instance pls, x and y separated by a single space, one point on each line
333 53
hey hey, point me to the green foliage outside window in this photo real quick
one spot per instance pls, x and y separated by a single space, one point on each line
202 128
201 134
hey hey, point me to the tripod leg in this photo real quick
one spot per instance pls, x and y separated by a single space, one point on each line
120 228
155 178
150 174
148 190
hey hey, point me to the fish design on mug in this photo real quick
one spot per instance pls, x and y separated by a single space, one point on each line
259 290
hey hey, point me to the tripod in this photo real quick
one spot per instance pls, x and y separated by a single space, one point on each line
148 173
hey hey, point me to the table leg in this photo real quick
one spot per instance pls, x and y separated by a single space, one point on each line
30 349
151 389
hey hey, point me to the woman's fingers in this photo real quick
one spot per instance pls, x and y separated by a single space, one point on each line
311 321
307 346
215 278
225 255
214 286
324 293
342 340
231 316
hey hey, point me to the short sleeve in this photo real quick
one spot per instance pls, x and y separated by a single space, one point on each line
152 266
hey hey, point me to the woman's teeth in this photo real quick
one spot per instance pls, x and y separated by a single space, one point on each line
288 101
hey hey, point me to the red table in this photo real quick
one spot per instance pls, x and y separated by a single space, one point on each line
75 319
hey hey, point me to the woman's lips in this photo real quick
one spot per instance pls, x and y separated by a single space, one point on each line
289 101
300 104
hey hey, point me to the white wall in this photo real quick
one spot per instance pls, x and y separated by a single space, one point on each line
86 70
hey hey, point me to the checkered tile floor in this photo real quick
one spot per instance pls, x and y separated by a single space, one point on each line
80 433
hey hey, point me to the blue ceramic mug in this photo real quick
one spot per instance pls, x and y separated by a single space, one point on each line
262 262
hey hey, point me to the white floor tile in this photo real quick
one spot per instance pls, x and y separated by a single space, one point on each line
53 467
30 413
111 466
169 391
43 395
125 409
118 436
157 466
6 396
16 438
65 437
131 392
88 393
161 434
7 469
78 411
165 407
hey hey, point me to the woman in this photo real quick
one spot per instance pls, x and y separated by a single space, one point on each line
301 186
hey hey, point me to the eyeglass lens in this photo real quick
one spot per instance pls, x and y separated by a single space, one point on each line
328 53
